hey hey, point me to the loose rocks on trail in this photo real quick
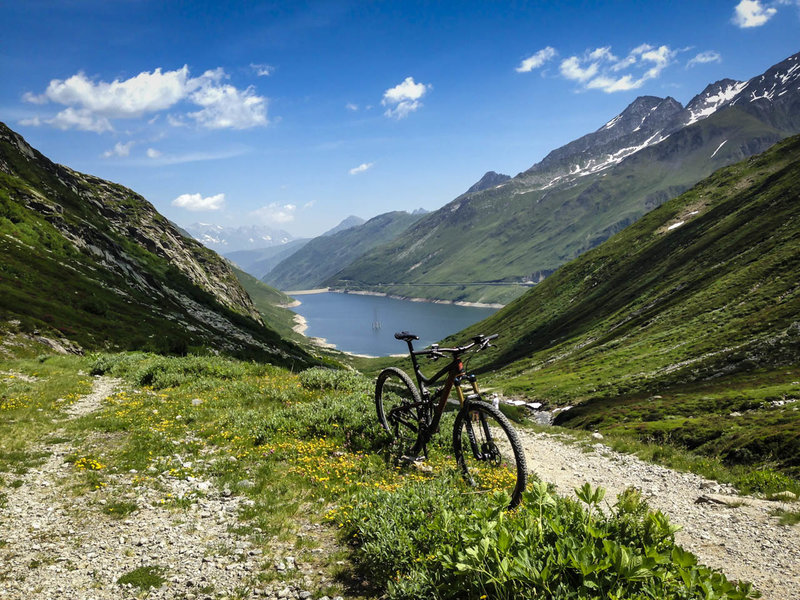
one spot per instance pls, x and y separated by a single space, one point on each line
737 535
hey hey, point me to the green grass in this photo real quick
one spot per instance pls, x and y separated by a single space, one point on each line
144 578
32 394
788 517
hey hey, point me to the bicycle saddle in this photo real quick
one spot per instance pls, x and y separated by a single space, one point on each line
405 336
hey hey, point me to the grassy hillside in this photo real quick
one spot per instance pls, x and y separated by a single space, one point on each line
92 262
679 321
469 248
271 304
324 256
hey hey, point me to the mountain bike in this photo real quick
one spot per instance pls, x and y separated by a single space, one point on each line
485 444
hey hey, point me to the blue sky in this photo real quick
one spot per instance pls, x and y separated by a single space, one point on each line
298 114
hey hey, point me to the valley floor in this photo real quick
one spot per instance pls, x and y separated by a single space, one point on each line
735 534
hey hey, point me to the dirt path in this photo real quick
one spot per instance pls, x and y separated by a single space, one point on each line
735 534
57 543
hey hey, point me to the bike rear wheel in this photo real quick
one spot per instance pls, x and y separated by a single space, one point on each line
398 403
488 451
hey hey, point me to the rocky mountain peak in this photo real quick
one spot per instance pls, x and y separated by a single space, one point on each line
712 98
489 180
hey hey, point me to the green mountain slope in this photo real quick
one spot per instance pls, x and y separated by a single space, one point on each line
686 316
324 256
94 263
486 246
271 303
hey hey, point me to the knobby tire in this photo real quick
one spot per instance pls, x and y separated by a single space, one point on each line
488 451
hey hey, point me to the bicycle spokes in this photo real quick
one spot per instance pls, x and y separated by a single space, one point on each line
488 452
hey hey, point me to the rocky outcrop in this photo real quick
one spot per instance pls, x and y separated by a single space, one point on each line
96 215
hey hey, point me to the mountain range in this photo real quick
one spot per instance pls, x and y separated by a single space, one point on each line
260 261
224 239
677 326
90 264
491 242
326 255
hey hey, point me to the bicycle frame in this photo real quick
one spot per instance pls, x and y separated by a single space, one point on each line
454 371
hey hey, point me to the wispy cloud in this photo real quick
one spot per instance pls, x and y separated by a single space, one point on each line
197 203
262 70
275 213
361 168
709 56
351 107
119 149
156 158
537 60
92 105
404 98
752 13
601 69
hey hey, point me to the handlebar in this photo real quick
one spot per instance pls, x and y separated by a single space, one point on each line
435 353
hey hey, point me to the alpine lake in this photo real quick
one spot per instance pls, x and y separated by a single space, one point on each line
362 324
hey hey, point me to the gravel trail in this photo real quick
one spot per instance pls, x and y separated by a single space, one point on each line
57 544
734 534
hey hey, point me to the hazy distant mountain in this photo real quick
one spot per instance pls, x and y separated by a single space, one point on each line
348 223
224 239
260 262
485 245
325 255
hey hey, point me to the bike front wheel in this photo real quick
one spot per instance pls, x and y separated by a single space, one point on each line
398 404
488 451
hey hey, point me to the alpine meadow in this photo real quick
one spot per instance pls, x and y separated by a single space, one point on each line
626 425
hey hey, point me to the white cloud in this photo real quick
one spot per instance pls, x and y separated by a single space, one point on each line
403 99
600 69
276 213
82 119
361 168
571 69
145 93
536 60
119 149
709 56
153 153
262 70
751 13
92 104
352 107
196 202
227 107
32 122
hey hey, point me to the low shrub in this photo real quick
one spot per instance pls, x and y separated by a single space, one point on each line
427 541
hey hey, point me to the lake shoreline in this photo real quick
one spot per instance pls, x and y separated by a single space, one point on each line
300 326
395 296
